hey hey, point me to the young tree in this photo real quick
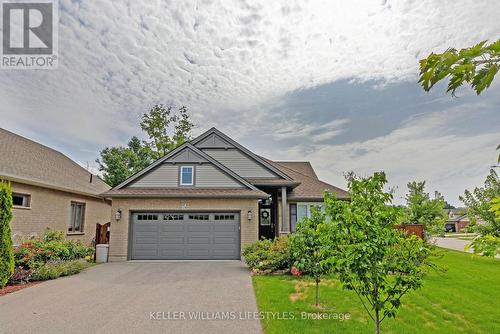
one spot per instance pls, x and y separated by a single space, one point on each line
308 249
422 209
482 204
166 129
6 251
476 66
370 256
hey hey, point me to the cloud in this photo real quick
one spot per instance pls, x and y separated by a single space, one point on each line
424 148
233 63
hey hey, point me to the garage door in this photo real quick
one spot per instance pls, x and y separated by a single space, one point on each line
185 236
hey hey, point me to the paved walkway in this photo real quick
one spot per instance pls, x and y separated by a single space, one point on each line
452 243
137 297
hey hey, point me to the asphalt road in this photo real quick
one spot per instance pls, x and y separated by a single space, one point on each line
138 297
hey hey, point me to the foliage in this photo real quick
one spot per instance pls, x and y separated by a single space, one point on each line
157 123
370 256
476 65
422 209
165 128
20 276
464 300
495 206
55 269
487 245
308 249
267 256
6 255
479 205
32 254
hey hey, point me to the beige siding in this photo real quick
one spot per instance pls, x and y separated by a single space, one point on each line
208 176
165 175
119 232
239 163
51 209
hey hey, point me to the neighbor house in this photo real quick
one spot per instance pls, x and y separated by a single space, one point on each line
49 190
457 220
207 199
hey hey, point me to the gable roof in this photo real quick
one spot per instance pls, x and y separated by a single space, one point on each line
225 139
25 161
179 151
310 188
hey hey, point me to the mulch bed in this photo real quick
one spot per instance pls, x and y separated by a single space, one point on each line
17 287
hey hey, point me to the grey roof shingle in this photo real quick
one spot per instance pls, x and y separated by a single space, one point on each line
22 159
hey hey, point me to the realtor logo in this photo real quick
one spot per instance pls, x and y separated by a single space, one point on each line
29 34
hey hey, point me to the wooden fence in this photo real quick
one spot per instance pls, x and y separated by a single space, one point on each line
102 233
414 229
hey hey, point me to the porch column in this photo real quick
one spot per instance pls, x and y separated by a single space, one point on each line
285 226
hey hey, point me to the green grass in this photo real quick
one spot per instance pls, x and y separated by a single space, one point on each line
464 299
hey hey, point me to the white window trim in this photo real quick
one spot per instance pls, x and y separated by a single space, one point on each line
26 200
308 207
192 176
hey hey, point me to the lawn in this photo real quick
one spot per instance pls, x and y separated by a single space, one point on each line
464 299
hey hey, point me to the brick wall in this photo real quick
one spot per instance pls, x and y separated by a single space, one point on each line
119 230
52 208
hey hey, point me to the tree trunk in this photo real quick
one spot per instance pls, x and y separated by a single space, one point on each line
317 292
377 322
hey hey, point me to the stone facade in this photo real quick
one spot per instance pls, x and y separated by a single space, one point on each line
52 209
119 230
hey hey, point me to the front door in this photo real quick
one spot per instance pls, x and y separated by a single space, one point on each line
266 219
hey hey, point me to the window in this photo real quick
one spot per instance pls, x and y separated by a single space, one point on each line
187 175
147 217
21 200
198 217
77 217
302 210
173 217
224 217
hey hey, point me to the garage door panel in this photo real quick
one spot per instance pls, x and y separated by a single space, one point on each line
188 236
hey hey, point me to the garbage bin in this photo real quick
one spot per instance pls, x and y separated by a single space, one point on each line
101 253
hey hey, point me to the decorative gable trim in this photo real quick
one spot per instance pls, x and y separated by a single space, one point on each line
213 133
180 154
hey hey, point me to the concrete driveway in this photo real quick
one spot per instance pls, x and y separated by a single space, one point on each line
138 297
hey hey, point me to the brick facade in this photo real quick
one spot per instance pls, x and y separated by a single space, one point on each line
119 230
51 209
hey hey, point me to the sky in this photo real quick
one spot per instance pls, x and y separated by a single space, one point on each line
331 82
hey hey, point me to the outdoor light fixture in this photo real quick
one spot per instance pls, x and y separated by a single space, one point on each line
249 215
118 214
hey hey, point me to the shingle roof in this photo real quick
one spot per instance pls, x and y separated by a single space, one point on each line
186 192
22 159
303 167
265 181
310 188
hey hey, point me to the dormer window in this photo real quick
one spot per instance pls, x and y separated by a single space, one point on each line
187 176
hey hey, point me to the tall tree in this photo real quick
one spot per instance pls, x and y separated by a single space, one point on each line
166 129
6 251
422 209
476 65
370 256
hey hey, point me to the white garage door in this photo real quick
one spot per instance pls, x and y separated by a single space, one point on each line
185 236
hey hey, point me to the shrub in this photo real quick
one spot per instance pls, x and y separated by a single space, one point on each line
268 256
52 246
20 276
6 254
55 269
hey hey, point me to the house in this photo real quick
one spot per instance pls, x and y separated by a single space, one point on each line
457 220
207 199
49 190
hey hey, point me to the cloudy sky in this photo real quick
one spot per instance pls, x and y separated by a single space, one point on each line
333 82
